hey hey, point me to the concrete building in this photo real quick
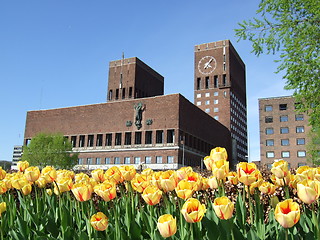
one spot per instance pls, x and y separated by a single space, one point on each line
17 154
283 131
220 90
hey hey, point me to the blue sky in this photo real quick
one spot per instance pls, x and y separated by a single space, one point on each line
55 53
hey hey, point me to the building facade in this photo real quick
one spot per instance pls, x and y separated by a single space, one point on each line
283 131
220 90
16 157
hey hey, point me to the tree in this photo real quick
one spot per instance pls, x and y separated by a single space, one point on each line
291 28
50 150
313 146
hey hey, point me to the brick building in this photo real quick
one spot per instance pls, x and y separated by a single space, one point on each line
138 125
283 131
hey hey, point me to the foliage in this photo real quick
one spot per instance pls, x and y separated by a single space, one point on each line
50 149
292 28
313 146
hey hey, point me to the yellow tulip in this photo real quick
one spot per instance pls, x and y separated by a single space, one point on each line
305 173
81 177
220 169
19 181
308 190
155 179
148 172
287 213
193 211
195 180
82 191
99 221
223 207
317 173
114 173
49 191
232 178
247 172
168 180
2 173
183 172
98 175
106 190
128 172
151 195
184 189
41 182
3 187
22 165
49 173
32 174
3 207
204 183
26 189
280 169
167 225
63 173
208 162
267 188
139 182
213 182
63 185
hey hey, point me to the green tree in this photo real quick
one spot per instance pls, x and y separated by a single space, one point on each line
313 146
291 28
50 150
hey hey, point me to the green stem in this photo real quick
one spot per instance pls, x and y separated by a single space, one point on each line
250 205
191 231
287 235
315 222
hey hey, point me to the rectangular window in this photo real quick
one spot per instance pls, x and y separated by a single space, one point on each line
137 137
269 142
123 93
198 95
215 101
99 140
284 142
207 94
127 160
127 138
108 160
170 159
81 141
207 82
284 130
207 102
300 129
158 159
80 161
89 161
269 131
285 154
301 164
108 139
159 136
118 139
137 160
268 108
147 160
216 94
270 154
148 137
301 153
117 94
74 141
90 141
224 80
215 81
215 109
284 118
299 117
130 92
116 160
98 161
301 141
268 119
216 118
282 107
198 83
207 110
170 136
198 103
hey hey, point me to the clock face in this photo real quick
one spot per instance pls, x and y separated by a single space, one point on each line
207 65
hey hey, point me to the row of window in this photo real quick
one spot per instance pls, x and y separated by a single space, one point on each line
269 166
125 160
284 130
286 142
284 118
282 107
207 102
208 94
285 154
209 84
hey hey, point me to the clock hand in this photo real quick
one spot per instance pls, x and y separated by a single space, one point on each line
208 64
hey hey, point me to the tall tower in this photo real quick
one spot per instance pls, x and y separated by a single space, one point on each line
220 90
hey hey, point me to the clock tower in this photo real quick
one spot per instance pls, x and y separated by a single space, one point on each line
220 90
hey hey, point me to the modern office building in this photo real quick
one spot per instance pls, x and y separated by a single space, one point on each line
220 90
17 154
138 125
283 131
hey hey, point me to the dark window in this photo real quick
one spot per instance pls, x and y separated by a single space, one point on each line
269 142
130 92
215 81
284 118
268 108
99 140
123 93
137 138
74 141
110 94
268 120
127 138
284 142
282 107
117 94
301 141
108 139
118 139
284 130
81 141
159 136
207 82
90 141
198 83
148 137
224 80
170 136
299 117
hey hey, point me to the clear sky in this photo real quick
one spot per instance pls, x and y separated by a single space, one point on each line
55 53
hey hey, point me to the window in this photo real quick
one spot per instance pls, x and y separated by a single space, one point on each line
268 108
284 130
118 139
108 160
98 161
216 118
89 161
224 78
269 142
158 159
207 110
284 118
110 94
216 110
299 117
207 94
108 139
207 102
198 103
301 153
81 141
147 160
90 141
268 119
300 141
215 81
99 140
137 137
148 137
215 101
117 94
80 161
198 83
127 138
284 142
270 154
123 93
116 160
282 107
215 94
300 129
159 136
137 160
130 92
269 131
170 136
170 159
74 141
199 95
301 164
285 154
207 82
126 160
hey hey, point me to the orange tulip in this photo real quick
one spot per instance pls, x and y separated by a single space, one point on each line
167 225
3 207
151 195
22 165
287 213
308 190
267 188
184 189
128 172
223 207
32 174
193 211
99 221
106 190
168 180
280 169
2 173
247 172
82 191
98 175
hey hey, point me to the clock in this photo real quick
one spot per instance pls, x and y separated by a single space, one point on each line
207 65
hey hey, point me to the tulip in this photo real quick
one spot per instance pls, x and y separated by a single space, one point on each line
63 173
99 221
184 189
2 173
305 173
19 181
49 191
255 185
155 179
81 177
41 182
32 174
183 172
3 187
3 207
267 188
280 169
128 172
213 182
148 172
63 185
204 183
151 195
49 173
287 213
167 225
232 178
195 180
247 172
114 173
139 182
26 189
98 175
22 165
168 180
317 173
106 190
193 211
223 207
82 191
220 169
308 191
